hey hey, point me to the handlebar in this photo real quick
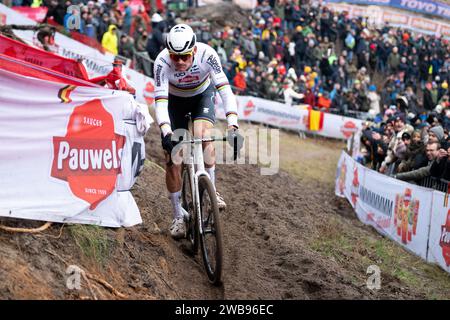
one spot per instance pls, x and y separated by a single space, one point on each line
193 141
212 139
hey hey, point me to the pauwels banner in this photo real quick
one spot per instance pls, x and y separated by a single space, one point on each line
439 240
394 208
65 151
96 63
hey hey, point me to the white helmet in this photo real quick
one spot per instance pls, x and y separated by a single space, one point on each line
181 39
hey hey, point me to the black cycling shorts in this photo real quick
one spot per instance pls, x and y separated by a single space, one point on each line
200 106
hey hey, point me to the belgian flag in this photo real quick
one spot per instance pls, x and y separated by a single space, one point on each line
64 94
315 120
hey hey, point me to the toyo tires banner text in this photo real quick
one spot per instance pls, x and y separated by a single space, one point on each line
435 8
69 153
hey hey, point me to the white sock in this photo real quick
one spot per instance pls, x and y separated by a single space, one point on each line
212 174
175 198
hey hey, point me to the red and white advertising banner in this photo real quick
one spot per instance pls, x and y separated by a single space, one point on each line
336 126
349 176
265 111
282 116
394 208
398 209
69 153
36 14
96 63
439 240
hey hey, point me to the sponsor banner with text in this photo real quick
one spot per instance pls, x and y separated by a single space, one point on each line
279 115
435 8
394 208
68 152
439 240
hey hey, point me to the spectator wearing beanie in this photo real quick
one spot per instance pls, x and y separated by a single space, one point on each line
436 134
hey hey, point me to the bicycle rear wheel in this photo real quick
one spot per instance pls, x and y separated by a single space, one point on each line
188 204
211 238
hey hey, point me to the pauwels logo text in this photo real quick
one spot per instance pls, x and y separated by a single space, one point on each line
88 157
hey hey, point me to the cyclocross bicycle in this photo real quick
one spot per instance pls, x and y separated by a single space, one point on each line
199 200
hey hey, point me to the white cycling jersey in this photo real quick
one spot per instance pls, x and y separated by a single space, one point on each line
206 67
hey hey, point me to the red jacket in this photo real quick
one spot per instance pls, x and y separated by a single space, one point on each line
240 82
310 99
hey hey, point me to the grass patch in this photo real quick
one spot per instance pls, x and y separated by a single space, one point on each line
357 252
353 248
311 158
93 242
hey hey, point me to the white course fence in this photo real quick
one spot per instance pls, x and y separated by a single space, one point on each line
417 218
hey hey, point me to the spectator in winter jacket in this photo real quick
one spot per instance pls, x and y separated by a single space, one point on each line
156 43
290 94
393 60
430 97
239 82
110 41
126 47
310 98
400 127
415 154
436 134
432 152
57 11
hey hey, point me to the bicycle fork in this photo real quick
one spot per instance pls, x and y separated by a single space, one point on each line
198 164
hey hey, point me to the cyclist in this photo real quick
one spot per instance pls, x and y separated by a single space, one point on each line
186 73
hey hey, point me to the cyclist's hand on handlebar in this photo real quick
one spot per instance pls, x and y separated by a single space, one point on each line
233 136
167 143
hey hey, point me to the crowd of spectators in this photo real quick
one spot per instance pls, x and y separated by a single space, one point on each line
327 60
397 79
287 50
296 52
409 147
115 26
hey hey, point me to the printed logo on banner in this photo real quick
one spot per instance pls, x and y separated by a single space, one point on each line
445 240
342 176
2 19
88 157
64 93
348 129
445 31
249 108
406 212
424 24
149 93
354 189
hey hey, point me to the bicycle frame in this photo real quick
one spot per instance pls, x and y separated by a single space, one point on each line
196 167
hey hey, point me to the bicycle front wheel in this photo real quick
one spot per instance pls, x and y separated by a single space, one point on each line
187 202
211 237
